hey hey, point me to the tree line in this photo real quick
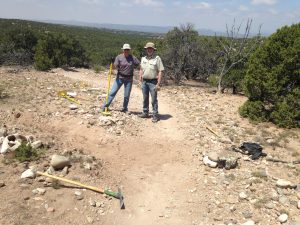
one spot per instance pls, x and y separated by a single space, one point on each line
266 70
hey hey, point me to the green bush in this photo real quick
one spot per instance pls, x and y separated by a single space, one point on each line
57 50
273 79
255 110
213 80
26 153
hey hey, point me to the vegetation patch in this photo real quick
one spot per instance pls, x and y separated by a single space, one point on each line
26 153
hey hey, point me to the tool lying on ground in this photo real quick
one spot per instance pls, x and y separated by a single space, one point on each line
65 95
211 130
106 110
117 195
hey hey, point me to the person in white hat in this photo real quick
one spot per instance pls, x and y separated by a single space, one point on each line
125 64
150 75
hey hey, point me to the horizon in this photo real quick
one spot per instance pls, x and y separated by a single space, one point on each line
211 14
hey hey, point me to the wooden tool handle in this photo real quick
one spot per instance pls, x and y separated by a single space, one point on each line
71 182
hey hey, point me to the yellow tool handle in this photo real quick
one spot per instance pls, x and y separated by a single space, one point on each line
211 130
71 182
71 99
109 78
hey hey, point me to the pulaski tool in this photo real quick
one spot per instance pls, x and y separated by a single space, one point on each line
106 111
65 95
117 195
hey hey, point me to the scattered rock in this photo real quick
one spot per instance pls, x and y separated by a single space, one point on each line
209 163
36 144
78 195
28 174
249 222
2 184
283 218
213 156
243 195
59 162
284 184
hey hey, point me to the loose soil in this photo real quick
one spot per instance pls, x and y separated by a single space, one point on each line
158 166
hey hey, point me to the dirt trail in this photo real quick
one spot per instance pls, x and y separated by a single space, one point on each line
153 167
159 167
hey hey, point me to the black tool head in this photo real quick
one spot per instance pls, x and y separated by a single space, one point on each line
121 198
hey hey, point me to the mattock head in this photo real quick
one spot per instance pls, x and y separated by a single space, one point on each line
121 198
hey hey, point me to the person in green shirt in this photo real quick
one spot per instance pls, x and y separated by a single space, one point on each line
151 72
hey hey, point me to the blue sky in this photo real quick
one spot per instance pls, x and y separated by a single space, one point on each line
209 14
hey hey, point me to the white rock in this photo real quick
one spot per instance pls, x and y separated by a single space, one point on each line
209 163
59 161
36 144
298 204
213 156
73 106
249 222
284 184
5 146
28 174
243 195
283 218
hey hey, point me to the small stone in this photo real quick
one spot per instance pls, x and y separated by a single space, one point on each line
73 106
50 209
36 144
243 195
41 191
298 205
213 156
78 195
92 203
2 184
249 222
284 184
98 204
209 163
89 219
59 161
28 174
283 218
270 205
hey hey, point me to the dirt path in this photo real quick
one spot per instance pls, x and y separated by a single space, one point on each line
153 167
159 167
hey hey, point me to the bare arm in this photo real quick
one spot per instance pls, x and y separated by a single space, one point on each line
141 75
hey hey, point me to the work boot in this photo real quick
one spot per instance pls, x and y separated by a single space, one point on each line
124 110
144 115
155 119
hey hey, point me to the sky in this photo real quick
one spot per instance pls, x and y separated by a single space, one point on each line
207 14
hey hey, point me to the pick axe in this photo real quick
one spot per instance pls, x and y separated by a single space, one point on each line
117 195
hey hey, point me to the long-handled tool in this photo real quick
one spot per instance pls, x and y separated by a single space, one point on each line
117 195
106 110
65 95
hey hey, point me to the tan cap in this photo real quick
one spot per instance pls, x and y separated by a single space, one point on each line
150 45
126 46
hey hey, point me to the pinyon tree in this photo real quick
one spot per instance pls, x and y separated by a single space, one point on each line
272 82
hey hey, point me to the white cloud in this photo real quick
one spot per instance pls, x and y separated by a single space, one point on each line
273 11
243 8
148 3
125 4
95 2
263 2
200 5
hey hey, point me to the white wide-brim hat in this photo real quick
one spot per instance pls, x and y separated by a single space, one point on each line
150 45
126 46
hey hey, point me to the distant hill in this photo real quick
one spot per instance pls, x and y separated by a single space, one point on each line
139 28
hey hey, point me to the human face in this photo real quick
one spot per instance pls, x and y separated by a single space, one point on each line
150 51
126 52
